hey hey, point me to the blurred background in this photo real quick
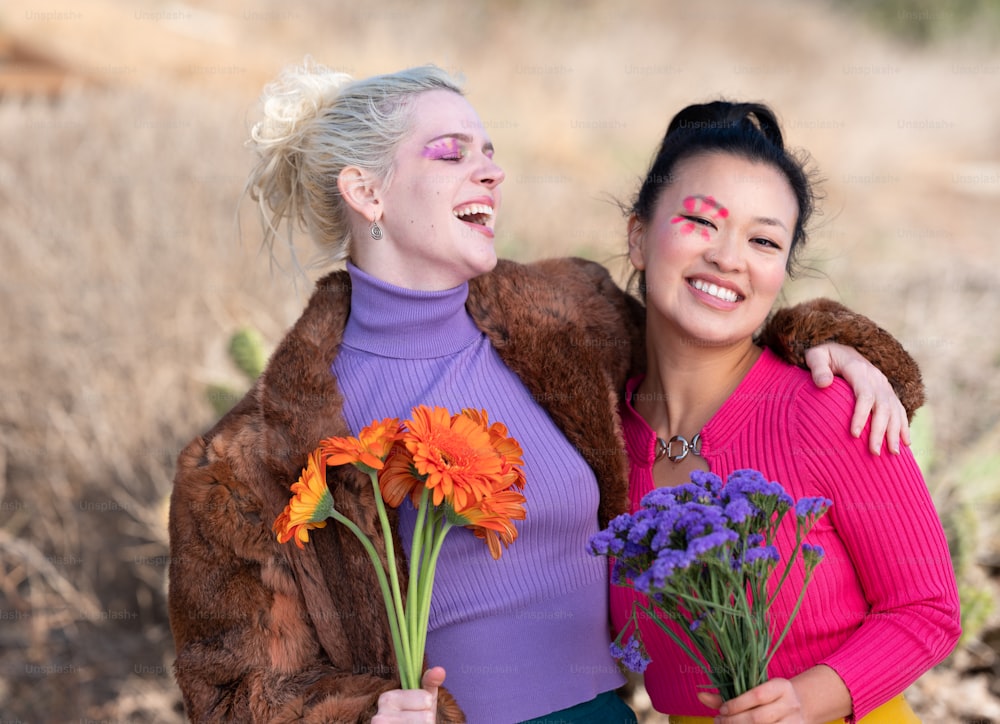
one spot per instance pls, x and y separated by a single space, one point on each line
136 303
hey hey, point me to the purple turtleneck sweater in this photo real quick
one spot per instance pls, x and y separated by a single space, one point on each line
528 634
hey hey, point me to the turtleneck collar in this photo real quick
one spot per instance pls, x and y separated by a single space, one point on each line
391 321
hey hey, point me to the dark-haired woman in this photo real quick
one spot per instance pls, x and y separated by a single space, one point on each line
712 234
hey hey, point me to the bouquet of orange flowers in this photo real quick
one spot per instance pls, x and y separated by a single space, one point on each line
457 469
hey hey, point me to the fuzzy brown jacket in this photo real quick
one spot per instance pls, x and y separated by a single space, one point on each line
271 633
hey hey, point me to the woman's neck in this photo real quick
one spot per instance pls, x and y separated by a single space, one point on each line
686 384
393 321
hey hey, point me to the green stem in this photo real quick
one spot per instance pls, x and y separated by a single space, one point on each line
706 603
427 581
394 622
397 597
418 621
416 566
791 618
756 614
788 566
653 614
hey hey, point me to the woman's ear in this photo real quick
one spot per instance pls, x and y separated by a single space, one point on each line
636 242
361 190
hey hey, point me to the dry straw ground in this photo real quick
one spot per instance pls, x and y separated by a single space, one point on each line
123 272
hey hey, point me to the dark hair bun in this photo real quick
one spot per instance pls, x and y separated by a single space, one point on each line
719 115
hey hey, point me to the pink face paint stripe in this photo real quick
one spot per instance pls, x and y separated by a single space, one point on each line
698 204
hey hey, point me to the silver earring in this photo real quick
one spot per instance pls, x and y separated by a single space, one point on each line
375 231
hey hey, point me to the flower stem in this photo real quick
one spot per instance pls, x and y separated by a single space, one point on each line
403 656
654 614
394 621
791 617
427 578
419 551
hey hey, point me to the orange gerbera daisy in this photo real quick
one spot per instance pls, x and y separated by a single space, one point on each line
398 478
453 455
492 519
368 450
310 506
509 450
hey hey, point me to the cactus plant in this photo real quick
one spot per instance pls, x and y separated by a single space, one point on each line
247 351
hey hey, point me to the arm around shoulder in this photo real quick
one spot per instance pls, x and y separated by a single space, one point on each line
791 331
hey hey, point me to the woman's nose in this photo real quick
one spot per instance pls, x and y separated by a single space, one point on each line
491 174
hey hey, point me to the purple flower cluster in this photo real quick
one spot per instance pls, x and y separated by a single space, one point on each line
701 522
632 655
754 487
703 552
811 507
812 555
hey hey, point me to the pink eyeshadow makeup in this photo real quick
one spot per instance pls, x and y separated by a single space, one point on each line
443 148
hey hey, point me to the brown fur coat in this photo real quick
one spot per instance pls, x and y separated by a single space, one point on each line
269 632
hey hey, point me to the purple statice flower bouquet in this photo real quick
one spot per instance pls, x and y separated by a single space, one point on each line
702 553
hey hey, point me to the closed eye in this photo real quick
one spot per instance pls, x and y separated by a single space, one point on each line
444 148
761 241
700 220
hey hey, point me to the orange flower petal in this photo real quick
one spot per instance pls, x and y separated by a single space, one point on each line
452 454
311 503
492 542
369 448
340 450
492 519
377 440
396 479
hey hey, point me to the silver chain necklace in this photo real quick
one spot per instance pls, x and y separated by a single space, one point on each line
676 448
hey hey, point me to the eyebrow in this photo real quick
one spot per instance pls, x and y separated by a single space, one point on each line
710 200
769 221
766 220
463 137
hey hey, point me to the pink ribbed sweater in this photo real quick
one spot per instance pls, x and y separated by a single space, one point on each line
882 608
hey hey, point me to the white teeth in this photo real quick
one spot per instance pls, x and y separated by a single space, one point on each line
724 294
473 209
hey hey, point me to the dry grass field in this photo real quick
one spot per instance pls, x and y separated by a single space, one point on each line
127 259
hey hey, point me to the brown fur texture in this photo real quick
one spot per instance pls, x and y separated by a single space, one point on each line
793 330
269 632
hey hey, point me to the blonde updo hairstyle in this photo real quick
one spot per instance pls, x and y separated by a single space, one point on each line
316 123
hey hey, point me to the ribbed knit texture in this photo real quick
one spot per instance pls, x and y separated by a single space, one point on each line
882 608
526 635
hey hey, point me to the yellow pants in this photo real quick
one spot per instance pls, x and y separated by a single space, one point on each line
894 711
